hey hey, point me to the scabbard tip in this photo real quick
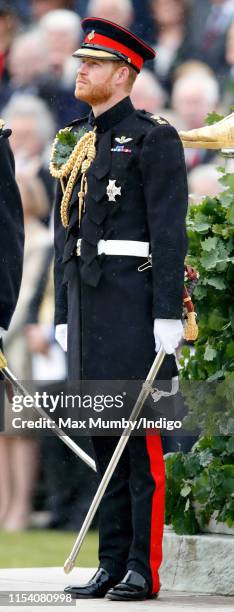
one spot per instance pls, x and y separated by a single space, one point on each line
68 566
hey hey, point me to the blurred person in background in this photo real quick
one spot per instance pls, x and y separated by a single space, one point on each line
170 23
118 11
28 66
40 8
208 25
9 26
191 67
227 100
18 454
32 130
61 31
67 497
147 92
204 181
193 97
28 60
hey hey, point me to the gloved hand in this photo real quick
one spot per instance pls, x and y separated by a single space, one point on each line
61 335
167 333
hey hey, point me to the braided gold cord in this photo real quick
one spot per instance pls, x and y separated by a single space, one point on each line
81 157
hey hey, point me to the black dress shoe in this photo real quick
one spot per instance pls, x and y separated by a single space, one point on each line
133 587
96 587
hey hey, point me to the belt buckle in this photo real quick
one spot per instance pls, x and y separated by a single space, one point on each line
78 247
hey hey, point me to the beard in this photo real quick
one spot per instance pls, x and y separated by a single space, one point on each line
94 94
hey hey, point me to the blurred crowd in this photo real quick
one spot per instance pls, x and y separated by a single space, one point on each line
192 75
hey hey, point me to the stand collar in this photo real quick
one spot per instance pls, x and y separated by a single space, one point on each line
112 116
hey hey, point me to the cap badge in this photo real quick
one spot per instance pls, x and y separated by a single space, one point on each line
112 191
123 140
91 35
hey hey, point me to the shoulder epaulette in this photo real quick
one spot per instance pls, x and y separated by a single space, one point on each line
2 123
153 119
160 120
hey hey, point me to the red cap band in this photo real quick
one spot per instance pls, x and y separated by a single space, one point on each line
113 45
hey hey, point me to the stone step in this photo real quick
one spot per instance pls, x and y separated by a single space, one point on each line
198 564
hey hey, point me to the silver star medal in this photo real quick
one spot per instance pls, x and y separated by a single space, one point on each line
112 191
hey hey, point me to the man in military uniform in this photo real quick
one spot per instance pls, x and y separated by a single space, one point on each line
11 234
123 196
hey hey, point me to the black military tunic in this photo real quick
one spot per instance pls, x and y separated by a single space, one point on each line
110 307
11 239
11 233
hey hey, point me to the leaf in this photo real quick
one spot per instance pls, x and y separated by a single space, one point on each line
225 198
230 445
217 282
185 352
210 353
185 490
209 244
185 522
213 118
216 376
205 457
230 214
187 505
209 260
201 226
228 180
200 292
230 350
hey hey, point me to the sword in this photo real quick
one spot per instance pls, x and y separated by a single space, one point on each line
79 452
145 391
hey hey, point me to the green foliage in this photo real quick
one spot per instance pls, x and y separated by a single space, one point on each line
211 252
213 118
205 477
66 141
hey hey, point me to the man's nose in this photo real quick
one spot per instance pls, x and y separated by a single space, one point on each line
83 69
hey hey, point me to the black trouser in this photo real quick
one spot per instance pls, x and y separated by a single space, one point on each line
132 510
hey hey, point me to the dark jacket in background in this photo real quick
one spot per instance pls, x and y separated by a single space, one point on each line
11 233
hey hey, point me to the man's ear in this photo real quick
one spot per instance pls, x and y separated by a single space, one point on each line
121 75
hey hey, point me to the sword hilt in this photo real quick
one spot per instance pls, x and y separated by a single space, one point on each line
3 361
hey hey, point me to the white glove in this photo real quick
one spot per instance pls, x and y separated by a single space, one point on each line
167 333
61 335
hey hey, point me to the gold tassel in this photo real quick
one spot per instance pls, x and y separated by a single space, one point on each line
81 196
62 185
191 327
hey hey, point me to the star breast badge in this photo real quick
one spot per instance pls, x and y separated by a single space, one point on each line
112 191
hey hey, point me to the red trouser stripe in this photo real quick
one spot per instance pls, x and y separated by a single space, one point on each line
157 468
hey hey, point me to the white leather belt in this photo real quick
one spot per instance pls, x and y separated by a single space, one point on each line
136 248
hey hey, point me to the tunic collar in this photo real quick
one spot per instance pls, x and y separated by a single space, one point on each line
112 116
